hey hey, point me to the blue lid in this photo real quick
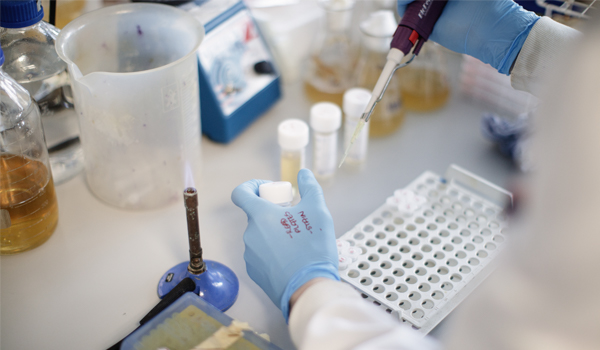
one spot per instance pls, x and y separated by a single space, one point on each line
20 13
1 57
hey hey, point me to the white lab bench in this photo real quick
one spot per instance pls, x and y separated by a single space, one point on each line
96 277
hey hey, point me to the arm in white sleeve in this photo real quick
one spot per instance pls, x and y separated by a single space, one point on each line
546 41
332 315
546 294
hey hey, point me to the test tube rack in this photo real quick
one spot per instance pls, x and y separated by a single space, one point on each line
419 266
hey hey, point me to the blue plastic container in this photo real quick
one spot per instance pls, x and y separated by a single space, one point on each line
232 93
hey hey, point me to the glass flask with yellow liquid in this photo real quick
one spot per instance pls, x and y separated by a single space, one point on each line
377 32
424 83
329 69
28 208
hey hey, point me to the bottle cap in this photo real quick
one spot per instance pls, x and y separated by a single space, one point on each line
19 14
1 57
355 102
325 117
292 134
378 30
276 192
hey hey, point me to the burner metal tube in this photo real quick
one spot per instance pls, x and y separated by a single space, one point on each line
190 196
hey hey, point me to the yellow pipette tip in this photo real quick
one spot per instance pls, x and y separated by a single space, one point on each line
357 130
343 159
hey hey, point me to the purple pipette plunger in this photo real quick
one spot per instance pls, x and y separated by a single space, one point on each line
417 24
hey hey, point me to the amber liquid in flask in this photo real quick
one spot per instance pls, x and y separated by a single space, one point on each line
330 66
316 95
28 208
424 86
424 90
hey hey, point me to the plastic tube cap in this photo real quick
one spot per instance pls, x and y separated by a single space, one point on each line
276 192
325 117
355 102
292 134
378 30
19 14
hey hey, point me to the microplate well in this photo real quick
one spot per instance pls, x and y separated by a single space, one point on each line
420 266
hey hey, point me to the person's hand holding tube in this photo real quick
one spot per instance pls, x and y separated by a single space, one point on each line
287 246
492 31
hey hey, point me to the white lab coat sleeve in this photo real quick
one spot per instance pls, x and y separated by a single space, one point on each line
546 40
546 294
332 315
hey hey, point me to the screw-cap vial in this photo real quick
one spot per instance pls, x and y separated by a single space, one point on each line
279 192
325 117
355 102
292 134
325 120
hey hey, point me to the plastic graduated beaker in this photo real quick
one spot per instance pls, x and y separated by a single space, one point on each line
134 74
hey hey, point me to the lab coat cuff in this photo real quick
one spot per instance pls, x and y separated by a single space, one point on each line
545 42
326 270
312 300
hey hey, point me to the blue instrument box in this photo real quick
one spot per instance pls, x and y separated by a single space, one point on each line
238 77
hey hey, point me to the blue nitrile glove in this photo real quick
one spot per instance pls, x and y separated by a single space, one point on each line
492 31
287 246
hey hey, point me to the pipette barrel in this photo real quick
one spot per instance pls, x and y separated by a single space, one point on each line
190 196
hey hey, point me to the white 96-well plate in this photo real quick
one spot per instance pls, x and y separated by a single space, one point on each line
420 266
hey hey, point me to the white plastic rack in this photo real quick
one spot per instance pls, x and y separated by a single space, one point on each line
420 265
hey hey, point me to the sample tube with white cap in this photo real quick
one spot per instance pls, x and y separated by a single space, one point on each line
279 192
292 135
325 120
355 102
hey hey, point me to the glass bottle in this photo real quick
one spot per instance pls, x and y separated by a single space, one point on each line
330 65
424 83
325 120
292 136
28 208
377 32
31 60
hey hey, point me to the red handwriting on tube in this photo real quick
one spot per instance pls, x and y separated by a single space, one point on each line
292 221
305 221
287 227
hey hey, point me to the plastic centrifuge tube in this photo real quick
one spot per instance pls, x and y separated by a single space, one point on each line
279 192
292 135
355 102
325 120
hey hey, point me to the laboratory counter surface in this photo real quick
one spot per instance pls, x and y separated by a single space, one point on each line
90 284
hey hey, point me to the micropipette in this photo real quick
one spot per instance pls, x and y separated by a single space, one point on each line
412 32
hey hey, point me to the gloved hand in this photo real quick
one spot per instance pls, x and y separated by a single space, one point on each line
287 246
492 31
